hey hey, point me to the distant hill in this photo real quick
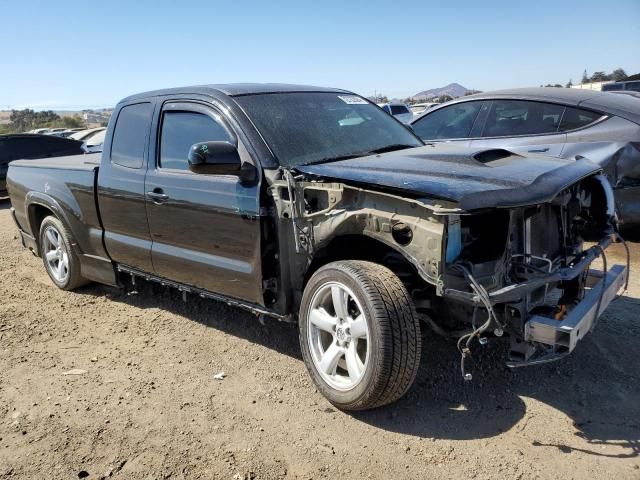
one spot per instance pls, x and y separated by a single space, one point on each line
453 90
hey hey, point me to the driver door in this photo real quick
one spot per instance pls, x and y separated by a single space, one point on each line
205 228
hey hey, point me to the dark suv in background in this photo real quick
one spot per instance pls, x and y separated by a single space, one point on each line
27 146
631 85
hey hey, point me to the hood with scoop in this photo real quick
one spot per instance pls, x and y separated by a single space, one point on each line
473 179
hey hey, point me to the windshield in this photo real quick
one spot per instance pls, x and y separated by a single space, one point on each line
303 128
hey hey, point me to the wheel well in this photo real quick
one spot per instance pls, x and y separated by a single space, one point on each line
37 213
359 247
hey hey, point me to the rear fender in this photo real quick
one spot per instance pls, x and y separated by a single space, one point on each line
34 199
94 267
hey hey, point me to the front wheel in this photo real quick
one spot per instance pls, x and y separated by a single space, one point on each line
359 334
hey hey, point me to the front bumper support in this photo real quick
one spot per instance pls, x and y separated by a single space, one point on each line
565 334
515 292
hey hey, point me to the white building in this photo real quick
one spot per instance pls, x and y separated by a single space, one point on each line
593 85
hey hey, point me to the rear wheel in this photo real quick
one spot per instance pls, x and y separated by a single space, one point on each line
359 334
60 260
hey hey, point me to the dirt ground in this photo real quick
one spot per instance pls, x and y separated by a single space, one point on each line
148 405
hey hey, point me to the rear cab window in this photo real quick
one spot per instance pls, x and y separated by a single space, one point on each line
130 135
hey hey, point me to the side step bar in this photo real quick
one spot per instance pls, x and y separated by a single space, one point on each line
185 289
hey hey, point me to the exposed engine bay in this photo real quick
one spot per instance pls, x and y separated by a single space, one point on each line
521 272
527 262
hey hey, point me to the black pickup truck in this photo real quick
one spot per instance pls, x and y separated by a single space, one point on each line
312 205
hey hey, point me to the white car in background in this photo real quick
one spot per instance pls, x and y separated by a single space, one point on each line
52 131
398 110
93 144
66 133
83 135
420 108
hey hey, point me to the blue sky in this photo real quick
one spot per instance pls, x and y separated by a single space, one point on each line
72 54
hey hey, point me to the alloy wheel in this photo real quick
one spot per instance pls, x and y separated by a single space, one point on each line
338 334
56 254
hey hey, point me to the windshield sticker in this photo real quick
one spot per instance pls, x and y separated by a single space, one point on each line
352 100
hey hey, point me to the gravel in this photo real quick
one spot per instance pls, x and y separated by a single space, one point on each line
149 408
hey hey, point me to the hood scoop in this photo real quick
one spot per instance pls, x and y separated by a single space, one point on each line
494 156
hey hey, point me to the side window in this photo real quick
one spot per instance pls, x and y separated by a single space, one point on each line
454 121
130 135
515 117
180 130
577 118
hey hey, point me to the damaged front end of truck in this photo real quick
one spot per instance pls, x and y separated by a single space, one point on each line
526 271
512 261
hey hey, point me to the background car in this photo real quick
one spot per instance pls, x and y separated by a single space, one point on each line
28 146
630 85
54 131
83 135
420 108
38 131
398 110
66 133
561 122
93 143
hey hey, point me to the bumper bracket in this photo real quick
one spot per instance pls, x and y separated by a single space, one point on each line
565 334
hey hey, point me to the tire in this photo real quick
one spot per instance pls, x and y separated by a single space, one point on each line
377 361
62 264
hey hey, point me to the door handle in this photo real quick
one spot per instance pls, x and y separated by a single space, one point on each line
539 150
158 196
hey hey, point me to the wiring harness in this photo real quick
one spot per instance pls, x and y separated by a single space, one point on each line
464 342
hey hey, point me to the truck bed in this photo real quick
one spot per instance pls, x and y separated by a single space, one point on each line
64 186
72 162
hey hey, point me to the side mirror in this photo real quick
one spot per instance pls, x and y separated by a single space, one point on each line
214 158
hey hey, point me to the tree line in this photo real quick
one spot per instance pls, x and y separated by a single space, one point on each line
618 75
27 119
